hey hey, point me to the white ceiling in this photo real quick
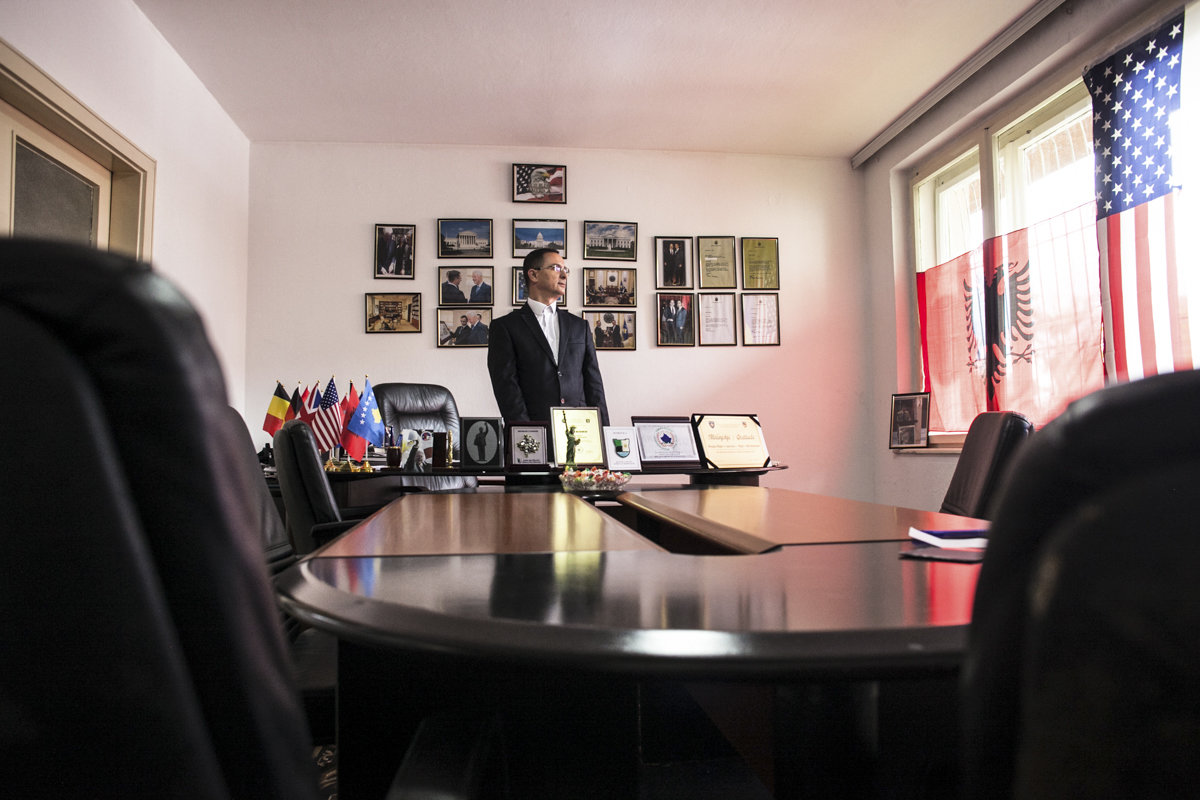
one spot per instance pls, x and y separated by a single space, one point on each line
789 77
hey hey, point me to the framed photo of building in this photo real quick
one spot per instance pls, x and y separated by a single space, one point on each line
464 238
519 294
716 262
676 324
605 287
613 330
534 234
539 183
910 421
610 241
393 313
673 262
463 327
717 320
394 248
760 318
481 442
760 262
461 286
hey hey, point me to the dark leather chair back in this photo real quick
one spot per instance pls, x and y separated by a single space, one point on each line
991 442
307 497
427 407
142 655
1076 467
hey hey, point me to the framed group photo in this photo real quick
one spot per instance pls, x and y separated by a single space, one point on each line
673 262
534 234
910 421
394 248
610 241
609 287
464 238
676 323
463 327
393 312
461 286
539 183
717 321
519 289
716 262
613 330
760 318
760 262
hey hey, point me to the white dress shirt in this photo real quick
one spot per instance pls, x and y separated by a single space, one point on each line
547 317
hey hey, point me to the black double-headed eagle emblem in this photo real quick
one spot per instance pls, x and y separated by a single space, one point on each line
1007 323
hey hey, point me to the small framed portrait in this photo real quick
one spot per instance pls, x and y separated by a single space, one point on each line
717 322
609 287
463 327
760 263
673 261
481 442
539 183
610 241
461 286
393 313
394 248
666 442
534 234
676 324
527 446
910 421
716 262
613 330
464 238
519 294
760 318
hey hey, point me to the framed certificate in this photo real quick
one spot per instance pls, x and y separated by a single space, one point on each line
729 441
760 262
527 446
666 442
577 436
717 323
716 264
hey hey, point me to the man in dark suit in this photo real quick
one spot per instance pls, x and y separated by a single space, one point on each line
541 356
478 332
450 291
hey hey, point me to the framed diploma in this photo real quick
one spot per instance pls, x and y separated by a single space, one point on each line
718 318
666 442
482 442
577 436
621 449
760 318
728 441
716 264
527 446
760 263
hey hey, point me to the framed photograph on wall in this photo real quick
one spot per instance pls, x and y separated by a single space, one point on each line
394 248
539 183
482 442
393 313
463 327
716 262
717 321
610 241
760 262
676 324
461 286
613 330
910 421
605 287
519 294
534 234
464 238
673 261
760 318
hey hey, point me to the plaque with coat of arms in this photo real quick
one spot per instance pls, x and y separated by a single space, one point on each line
621 447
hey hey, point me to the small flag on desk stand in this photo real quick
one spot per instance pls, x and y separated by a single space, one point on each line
354 445
327 424
296 405
367 422
276 410
312 404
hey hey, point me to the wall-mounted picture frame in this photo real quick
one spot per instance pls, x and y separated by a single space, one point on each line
464 238
463 286
673 262
666 442
610 241
606 287
519 295
613 330
393 312
760 262
534 234
716 262
583 425
539 183
464 326
676 323
716 322
910 421
481 442
760 319
527 446
394 248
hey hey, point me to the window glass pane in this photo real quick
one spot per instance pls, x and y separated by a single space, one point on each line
50 200
948 212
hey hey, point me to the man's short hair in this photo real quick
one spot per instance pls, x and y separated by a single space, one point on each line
452 274
534 259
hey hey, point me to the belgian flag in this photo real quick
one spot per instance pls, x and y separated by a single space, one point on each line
277 411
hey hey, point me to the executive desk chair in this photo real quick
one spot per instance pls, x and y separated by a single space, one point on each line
992 440
423 407
1082 677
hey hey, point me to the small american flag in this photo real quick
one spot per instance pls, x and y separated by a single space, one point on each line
540 181
327 424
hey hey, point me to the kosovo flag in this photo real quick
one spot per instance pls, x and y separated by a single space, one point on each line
367 422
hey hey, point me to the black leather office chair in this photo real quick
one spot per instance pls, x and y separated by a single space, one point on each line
992 440
1083 635
423 407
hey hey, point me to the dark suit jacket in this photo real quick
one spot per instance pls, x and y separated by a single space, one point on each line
452 294
525 379
477 334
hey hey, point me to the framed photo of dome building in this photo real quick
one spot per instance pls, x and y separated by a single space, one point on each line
534 234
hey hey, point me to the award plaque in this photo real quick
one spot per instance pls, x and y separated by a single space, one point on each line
577 436
482 443
666 443
730 441
621 449
527 446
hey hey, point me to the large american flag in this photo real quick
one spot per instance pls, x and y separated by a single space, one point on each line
1134 93
327 424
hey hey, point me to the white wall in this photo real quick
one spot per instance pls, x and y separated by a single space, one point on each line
312 214
108 55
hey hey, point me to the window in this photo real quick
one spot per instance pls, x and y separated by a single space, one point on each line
948 208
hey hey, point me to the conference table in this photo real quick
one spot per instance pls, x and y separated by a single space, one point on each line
547 609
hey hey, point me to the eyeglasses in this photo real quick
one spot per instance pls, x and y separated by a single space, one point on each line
560 268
